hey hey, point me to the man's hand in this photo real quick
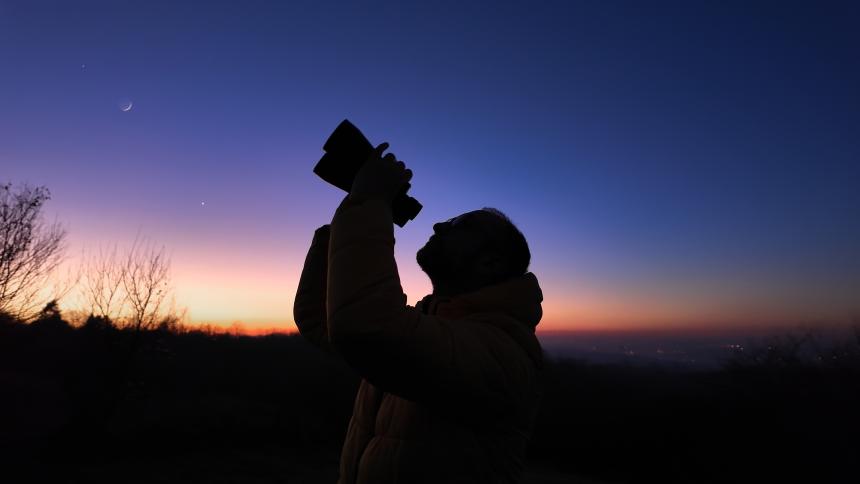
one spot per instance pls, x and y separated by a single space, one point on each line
380 178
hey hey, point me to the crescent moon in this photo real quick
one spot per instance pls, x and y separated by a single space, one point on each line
126 107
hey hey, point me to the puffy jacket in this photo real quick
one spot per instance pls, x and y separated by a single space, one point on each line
450 388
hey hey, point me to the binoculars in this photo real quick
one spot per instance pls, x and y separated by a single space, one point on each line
346 151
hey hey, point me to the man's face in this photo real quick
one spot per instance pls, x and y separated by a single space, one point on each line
454 249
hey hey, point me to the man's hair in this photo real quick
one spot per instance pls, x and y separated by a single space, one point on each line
513 245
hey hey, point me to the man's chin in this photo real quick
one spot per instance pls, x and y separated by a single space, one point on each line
424 259
428 260
428 253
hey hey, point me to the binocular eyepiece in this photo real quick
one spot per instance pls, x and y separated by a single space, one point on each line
346 151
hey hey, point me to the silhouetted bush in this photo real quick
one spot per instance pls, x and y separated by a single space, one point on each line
50 319
95 323
7 319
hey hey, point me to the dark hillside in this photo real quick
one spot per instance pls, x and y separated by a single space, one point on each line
93 404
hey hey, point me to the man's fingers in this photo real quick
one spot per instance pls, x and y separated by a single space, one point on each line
406 173
380 149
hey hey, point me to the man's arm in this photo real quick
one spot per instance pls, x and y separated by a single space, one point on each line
309 307
466 366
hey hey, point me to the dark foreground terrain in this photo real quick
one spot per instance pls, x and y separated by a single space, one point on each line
97 404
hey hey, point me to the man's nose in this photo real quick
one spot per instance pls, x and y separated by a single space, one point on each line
441 227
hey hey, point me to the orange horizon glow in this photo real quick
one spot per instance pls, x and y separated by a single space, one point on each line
242 329
250 292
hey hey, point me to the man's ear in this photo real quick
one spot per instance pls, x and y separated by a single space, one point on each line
490 264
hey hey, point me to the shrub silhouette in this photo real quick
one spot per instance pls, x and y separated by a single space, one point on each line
7 319
50 318
97 323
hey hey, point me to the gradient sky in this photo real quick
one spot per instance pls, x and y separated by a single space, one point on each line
672 164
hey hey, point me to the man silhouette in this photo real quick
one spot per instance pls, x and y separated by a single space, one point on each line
450 388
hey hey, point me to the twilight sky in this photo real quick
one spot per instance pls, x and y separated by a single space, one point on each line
672 164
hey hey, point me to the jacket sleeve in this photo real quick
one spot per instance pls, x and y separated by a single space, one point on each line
309 306
463 365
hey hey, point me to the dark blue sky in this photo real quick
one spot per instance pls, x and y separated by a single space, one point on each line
669 162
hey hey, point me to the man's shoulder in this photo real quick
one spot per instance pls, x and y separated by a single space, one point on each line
502 330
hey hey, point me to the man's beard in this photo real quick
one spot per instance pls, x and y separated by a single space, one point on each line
437 263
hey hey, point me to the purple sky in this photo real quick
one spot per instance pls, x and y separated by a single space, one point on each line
670 164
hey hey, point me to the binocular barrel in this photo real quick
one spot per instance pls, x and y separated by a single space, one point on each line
347 149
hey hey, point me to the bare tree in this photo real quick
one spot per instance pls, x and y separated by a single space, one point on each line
145 279
102 275
30 250
130 288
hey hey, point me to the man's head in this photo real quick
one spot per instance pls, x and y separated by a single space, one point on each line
473 250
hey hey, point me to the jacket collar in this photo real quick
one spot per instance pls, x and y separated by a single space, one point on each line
518 297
